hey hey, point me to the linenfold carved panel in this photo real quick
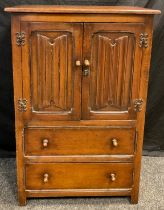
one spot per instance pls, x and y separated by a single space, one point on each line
51 71
111 71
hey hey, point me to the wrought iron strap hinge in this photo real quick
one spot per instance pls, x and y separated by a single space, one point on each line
138 105
22 105
20 38
143 40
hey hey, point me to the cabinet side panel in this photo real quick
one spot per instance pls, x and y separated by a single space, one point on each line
141 115
17 76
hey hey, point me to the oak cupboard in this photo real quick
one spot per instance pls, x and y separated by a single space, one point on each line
80 86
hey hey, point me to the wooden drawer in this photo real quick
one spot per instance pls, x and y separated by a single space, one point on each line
82 141
78 175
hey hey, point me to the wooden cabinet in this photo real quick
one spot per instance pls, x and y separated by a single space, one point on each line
52 78
80 86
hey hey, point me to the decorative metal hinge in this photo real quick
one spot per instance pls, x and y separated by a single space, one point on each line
138 105
143 40
20 38
22 105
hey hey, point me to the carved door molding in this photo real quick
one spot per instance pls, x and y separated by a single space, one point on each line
115 64
52 81
55 87
51 75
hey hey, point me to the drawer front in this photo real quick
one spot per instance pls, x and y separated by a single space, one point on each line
83 141
78 176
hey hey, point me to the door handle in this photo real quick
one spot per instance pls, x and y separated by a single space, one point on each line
86 62
86 71
78 63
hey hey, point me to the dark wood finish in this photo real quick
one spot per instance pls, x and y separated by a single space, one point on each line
78 176
17 74
78 192
80 9
144 78
112 85
81 123
52 78
83 141
80 88
80 158
81 18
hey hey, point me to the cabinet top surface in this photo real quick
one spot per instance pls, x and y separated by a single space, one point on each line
80 9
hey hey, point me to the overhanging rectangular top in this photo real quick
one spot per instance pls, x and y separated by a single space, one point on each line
80 9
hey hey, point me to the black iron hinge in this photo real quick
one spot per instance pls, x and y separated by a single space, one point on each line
20 38
138 103
22 105
143 40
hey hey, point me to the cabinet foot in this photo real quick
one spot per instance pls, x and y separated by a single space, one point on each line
22 199
134 199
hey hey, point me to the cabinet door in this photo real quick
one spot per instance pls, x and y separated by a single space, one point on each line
51 79
112 64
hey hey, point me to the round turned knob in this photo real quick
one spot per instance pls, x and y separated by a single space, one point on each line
45 178
45 143
78 63
113 177
115 142
86 62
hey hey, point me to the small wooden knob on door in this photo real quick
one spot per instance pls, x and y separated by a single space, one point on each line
78 63
86 62
86 70
45 178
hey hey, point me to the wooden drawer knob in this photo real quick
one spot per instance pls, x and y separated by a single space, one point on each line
45 143
113 177
115 142
45 178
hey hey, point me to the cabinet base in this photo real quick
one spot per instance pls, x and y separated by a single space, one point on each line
76 193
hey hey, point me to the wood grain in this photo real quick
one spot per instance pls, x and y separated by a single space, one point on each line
80 9
110 80
50 83
78 176
17 75
141 115
78 192
51 77
80 134
88 141
112 85
120 158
